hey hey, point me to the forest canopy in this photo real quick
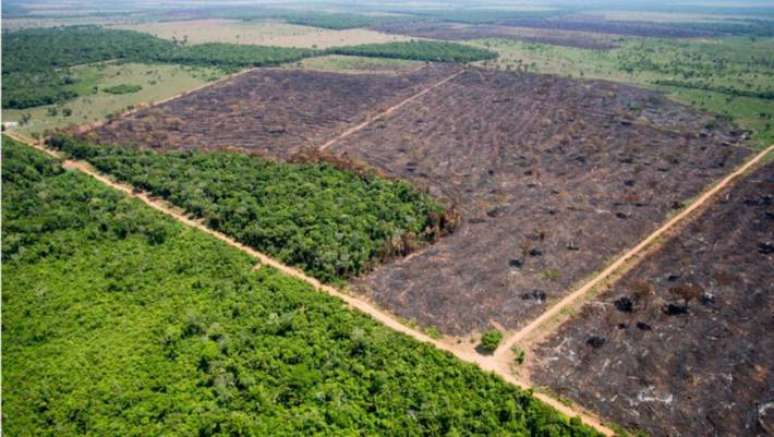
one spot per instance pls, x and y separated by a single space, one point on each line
435 51
332 223
119 321
36 62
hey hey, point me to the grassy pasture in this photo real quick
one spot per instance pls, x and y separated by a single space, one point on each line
356 64
158 82
267 33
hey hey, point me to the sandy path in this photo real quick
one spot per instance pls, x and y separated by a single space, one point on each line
575 297
388 111
486 363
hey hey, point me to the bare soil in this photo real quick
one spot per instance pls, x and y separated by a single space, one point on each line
682 344
275 111
553 177
457 31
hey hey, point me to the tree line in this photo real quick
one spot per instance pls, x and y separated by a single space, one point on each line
420 50
332 223
119 321
37 63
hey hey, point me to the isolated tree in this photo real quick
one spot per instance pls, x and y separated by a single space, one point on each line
490 340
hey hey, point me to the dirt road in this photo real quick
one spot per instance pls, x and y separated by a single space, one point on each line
575 297
387 111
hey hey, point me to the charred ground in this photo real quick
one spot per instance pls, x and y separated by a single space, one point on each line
277 111
460 31
553 178
682 344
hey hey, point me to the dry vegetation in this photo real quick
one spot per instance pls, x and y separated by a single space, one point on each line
460 31
357 64
273 111
552 176
267 33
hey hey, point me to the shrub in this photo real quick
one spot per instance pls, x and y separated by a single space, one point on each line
123 88
490 340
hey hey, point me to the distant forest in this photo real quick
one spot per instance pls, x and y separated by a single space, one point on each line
37 62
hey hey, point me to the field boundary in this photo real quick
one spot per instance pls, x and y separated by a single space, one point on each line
576 297
388 111
88 127
487 363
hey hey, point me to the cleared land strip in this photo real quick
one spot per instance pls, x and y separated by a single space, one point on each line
81 129
505 348
486 363
388 111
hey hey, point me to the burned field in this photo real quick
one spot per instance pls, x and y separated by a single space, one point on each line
463 32
599 24
274 111
682 344
553 178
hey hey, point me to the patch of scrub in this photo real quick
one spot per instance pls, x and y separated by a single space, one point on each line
158 82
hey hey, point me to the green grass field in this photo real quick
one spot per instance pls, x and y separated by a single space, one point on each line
716 75
158 82
356 64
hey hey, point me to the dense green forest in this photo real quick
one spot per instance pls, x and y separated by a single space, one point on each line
119 321
419 50
36 61
227 56
332 223
330 21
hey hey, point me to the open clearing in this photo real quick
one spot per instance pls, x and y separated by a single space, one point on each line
273 111
681 344
356 64
158 82
553 178
265 33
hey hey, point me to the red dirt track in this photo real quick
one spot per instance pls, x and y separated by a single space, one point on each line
682 344
553 176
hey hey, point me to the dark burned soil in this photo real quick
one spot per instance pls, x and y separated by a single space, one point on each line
553 177
457 31
598 24
683 344
276 111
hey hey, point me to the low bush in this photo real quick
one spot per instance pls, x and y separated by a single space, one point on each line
122 89
490 340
